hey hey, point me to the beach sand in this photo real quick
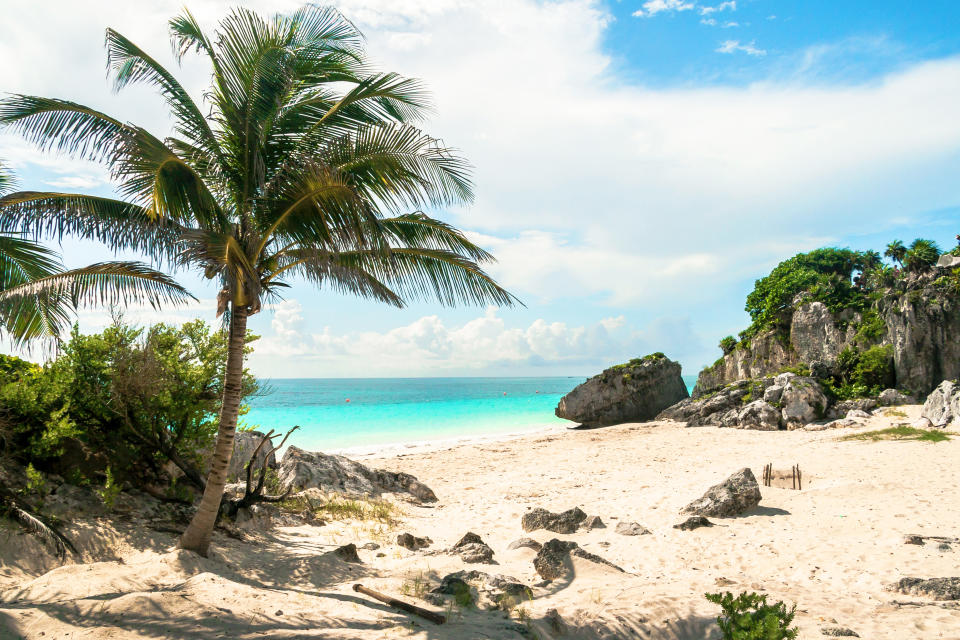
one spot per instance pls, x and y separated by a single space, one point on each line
831 547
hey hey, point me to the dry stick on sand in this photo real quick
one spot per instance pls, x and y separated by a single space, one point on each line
400 604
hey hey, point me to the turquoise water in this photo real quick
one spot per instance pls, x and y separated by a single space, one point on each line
353 413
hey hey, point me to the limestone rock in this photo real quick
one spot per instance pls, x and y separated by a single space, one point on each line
922 423
347 553
473 550
948 261
857 414
839 632
733 496
566 522
759 415
488 591
631 529
244 442
593 522
942 406
892 397
936 588
412 542
553 559
842 408
803 401
525 543
693 522
635 391
555 622
301 469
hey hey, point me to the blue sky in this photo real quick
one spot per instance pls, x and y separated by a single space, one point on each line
638 164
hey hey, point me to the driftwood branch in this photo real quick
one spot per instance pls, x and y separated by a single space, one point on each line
436 618
253 493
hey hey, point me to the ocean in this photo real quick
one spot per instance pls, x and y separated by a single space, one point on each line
366 415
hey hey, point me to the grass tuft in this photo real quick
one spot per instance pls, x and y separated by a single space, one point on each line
900 432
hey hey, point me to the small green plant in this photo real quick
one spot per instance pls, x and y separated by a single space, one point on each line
110 490
900 432
728 344
415 587
36 483
895 413
749 617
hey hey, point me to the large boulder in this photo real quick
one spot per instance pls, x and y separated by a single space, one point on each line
760 415
892 398
631 392
942 406
244 444
301 469
553 558
803 401
730 498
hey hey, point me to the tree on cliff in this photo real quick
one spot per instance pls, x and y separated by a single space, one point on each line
921 255
307 165
896 251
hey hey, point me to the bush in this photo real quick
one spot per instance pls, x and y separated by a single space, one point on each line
823 275
749 617
728 344
128 398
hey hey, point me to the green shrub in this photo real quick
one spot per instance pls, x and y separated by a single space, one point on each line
749 617
728 344
133 398
823 275
111 490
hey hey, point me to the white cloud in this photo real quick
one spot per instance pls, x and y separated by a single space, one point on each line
723 6
430 345
732 46
75 182
653 7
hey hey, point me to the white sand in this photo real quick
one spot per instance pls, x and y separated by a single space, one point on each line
831 547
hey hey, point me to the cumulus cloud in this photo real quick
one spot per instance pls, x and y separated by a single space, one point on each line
430 345
723 6
653 7
732 46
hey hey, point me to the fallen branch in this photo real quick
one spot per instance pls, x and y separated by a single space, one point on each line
916 538
436 618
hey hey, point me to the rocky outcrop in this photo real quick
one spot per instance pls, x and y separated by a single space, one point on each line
553 559
631 392
942 406
920 323
473 550
786 401
244 443
893 398
566 522
301 469
487 591
738 493
936 588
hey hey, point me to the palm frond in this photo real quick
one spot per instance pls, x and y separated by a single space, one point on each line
63 126
105 283
131 64
418 230
35 523
119 225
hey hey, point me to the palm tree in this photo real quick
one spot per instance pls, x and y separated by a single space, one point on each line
37 296
921 255
307 165
896 252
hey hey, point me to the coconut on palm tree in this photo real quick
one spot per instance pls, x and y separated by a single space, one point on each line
306 165
37 296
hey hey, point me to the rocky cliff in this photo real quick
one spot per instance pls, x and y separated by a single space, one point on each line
919 322
635 391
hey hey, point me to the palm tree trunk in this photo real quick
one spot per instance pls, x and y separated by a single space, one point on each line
197 536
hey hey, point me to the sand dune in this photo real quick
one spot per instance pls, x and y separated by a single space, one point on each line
831 548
